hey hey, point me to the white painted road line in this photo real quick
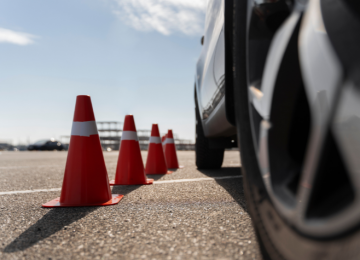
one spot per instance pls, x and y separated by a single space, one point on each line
43 166
26 166
155 182
28 191
198 179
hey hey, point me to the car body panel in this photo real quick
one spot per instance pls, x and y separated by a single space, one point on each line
210 75
46 146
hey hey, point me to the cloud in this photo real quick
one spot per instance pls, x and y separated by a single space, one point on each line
164 16
13 37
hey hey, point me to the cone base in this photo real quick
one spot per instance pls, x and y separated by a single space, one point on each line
168 172
148 181
55 203
180 167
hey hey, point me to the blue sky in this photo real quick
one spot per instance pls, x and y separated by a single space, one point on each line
131 56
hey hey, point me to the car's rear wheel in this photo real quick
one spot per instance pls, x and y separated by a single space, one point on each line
297 131
206 157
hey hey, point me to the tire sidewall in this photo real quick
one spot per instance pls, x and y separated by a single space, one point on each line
205 157
277 239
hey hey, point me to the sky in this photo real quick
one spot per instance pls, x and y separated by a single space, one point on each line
131 56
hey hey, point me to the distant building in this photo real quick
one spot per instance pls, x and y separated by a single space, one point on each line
110 137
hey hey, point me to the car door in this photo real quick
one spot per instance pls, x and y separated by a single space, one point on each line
49 146
210 80
211 61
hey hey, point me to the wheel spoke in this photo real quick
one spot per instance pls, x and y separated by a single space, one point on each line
261 96
276 102
303 122
262 99
346 129
322 77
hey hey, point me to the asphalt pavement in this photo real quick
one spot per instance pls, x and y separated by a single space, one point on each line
189 214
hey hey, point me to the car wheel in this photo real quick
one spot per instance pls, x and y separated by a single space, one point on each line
206 158
297 131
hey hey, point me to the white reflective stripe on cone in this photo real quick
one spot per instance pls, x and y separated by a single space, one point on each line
129 135
84 128
169 141
155 139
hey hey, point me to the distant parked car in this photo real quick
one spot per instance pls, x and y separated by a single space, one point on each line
46 145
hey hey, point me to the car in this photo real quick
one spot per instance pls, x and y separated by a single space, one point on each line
280 79
46 145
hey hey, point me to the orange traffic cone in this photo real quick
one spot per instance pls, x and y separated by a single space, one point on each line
130 167
163 142
155 163
86 181
170 152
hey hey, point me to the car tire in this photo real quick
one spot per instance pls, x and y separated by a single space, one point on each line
206 158
277 238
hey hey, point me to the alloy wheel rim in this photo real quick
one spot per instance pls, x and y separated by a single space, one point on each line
297 97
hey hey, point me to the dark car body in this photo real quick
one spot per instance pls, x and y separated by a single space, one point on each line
46 145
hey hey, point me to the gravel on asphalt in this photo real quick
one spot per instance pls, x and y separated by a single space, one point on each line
202 219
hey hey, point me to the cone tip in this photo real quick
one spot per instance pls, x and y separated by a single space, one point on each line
83 109
155 130
129 123
169 134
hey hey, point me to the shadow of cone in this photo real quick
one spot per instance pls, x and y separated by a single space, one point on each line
85 181
155 163
170 152
130 168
